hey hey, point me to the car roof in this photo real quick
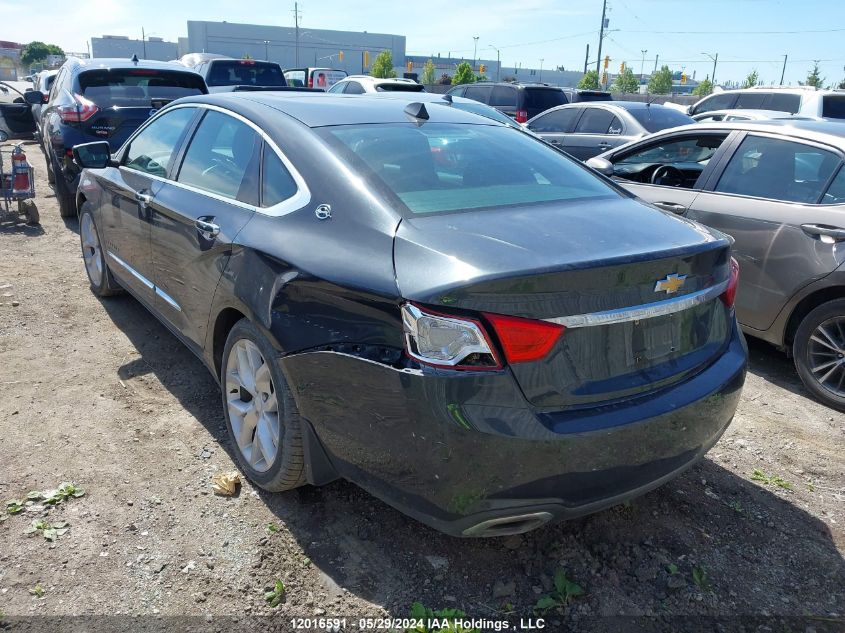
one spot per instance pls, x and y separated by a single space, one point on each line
828 132
779 114
318 109
123 62
381 80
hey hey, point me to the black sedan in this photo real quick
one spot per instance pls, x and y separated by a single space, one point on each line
442 309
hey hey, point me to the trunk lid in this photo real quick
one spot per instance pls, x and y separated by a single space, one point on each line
565 260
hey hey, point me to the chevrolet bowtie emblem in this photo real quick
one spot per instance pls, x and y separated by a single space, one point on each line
672 283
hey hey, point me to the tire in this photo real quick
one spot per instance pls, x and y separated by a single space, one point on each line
103 283
51 175
819 352
64 196
249 360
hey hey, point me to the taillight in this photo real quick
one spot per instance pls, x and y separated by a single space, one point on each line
729 295
524 340
311 82
522 116
447 341
78 112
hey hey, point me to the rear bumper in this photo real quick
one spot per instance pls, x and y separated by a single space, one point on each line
469 456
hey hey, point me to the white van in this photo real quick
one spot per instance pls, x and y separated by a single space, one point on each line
323 78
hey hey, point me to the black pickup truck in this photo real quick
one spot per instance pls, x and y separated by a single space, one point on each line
230 75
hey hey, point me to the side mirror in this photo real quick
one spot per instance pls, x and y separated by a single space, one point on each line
33 97
96 155
689 110
601 165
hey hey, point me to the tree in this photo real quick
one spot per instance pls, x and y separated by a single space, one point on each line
814 77
625 82
463 74
661 81
35 52
841 85
751 80
704 88
590 81
428 76
383 66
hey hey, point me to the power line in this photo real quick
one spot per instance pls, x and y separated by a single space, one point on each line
737 32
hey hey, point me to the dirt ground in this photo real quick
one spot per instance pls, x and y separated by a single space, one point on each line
100 394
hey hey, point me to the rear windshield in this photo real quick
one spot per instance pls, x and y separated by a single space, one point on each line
245 72
133 87
400 87
448 167
656 119
833 107
594 96
543 98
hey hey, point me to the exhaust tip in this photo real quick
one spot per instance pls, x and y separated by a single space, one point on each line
509 525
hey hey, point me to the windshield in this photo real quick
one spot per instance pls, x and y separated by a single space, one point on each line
245 72
138 86
656 119
447 167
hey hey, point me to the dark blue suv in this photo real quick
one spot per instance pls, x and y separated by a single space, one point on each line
103 100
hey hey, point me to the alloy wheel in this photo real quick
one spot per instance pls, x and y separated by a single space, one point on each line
91 251
253 406
826 352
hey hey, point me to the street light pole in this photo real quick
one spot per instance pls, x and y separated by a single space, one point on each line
642 63
474 51
498 62
266 55
144 42
296 26
541 70
601 35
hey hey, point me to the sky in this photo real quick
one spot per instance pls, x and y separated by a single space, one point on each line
746 34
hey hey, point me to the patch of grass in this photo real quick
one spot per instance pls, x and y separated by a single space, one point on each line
440 619
37 591
700 578
672 568
564 592
14 506
272 528
49 531
736 506
771 480
275 597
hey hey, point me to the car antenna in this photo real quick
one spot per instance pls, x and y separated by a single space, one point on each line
134 59
417 110
447 99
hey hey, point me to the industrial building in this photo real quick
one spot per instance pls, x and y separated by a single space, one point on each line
122 46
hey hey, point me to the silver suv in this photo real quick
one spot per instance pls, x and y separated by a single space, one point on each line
829 104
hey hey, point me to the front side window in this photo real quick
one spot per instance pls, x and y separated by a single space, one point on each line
354 88
723 101
152 149
222 158
751 100
478 93
693 149
441 167
765 167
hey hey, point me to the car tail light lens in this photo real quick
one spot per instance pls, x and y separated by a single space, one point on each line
729 295
524 340
522 116
447 341
78 112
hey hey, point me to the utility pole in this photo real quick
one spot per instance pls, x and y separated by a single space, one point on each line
498 62
474 51
587 58
601 35
541 70
642 63
783 72
296 27
144 42
656 57
715 59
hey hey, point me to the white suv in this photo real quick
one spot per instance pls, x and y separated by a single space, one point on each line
829 104
361 84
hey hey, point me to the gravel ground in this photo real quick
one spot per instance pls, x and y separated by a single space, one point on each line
100 394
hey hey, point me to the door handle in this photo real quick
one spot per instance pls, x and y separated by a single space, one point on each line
671 206
554 142
207 228
823 230
145 199
604 144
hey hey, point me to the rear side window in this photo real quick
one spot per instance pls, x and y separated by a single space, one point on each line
479 93
244 72
783 102
153 148
833 107
543 98
557 121
295 78
836 192
503 96
138 87
751 100
277 185
222 158
723 101
442 167
353 88
594 121
778 169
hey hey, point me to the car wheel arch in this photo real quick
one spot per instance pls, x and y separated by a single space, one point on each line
807 305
